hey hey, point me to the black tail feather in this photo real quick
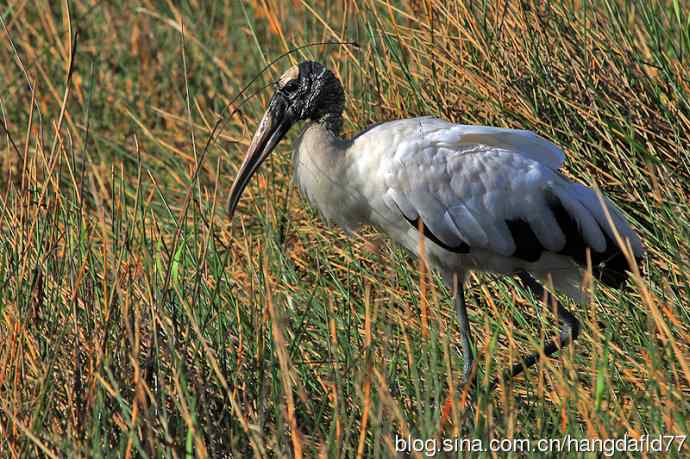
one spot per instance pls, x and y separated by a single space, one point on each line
610 266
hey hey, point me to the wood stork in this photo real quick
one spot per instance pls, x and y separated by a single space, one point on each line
481 198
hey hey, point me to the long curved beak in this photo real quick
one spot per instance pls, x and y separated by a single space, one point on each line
272 128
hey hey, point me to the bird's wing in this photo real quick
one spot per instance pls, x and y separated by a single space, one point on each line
441 132
496 190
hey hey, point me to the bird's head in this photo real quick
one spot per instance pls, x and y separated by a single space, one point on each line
308 91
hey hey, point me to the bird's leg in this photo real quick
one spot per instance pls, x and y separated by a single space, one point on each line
465 335
455 283
569 331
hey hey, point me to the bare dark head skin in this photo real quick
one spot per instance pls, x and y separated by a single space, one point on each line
308 91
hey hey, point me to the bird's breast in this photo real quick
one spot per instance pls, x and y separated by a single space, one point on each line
324 174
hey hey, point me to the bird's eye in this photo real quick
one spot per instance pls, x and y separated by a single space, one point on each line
290 86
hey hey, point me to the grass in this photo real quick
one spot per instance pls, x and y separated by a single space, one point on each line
135 320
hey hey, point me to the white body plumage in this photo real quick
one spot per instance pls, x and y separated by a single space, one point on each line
466 184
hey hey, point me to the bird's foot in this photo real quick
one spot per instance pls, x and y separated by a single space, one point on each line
463 402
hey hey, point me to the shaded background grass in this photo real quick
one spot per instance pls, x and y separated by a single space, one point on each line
136 321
